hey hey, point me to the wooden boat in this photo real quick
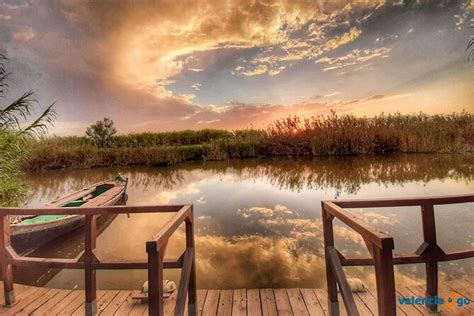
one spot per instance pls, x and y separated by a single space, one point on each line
29 232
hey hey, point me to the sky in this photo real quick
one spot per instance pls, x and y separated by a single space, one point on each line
235 64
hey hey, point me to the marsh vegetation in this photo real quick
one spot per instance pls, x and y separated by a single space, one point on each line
331 135
17 127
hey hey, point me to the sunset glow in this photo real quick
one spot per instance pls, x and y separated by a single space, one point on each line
172 65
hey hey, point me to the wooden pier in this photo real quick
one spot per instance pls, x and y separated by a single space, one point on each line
43 301
187 300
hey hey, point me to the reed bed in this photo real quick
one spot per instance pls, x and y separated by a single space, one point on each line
293 136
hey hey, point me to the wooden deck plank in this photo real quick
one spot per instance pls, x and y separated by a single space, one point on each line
75 304
38 292
282 302
126 306
35 304
464 289
253 302
225 303
342 306
201 298
18 288
419 291
451 287
24 295
322 296
80 310
211 302
138 309
267 299
74 295
404 292
362 307
370 300
296 301
169 304
41 301
312 302
105 300
45 308
239 303
115 304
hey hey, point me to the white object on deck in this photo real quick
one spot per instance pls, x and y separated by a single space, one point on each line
356 285
168 287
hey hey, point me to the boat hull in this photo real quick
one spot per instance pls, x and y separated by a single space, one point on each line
27 237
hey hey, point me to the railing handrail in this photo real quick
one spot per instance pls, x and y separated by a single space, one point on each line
102 210
382 257
380 239
408 201
89 261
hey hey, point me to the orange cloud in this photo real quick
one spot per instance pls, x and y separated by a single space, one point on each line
356 57
24 35
142 43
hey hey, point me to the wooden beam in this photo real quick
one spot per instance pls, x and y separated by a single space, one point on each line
91 210
169 228
7 272
137 264
369 261
415 201
333 304
376 237
155 283
90 284
184 282
192 287
344 287
430 252
385 280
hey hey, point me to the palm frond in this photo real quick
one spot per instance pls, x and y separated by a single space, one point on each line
470 46
18 109
3 77
40 125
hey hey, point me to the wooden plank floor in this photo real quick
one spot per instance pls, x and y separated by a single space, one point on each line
43 301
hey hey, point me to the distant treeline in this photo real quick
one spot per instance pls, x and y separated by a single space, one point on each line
293 136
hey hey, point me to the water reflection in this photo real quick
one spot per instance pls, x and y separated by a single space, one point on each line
258 221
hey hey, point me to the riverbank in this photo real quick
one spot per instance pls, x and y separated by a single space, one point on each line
320 136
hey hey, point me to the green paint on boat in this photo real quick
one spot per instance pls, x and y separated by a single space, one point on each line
42 219
78 202
74 203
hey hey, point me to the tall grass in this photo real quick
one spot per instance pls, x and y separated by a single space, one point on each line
350 135
292 136
11 155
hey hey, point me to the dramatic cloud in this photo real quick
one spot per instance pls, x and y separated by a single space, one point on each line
25 35
356 57
163 65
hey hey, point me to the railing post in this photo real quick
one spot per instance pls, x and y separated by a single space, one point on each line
155 279
192 292
333 304
430 253
89 271
7 273
385 280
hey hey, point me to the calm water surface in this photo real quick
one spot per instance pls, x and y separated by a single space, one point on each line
258 222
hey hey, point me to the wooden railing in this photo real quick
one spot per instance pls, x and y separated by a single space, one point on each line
90 261
380 247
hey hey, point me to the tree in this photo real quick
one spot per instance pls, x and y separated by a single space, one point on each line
16 125
102 132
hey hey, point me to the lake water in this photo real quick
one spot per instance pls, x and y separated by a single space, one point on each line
258 222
